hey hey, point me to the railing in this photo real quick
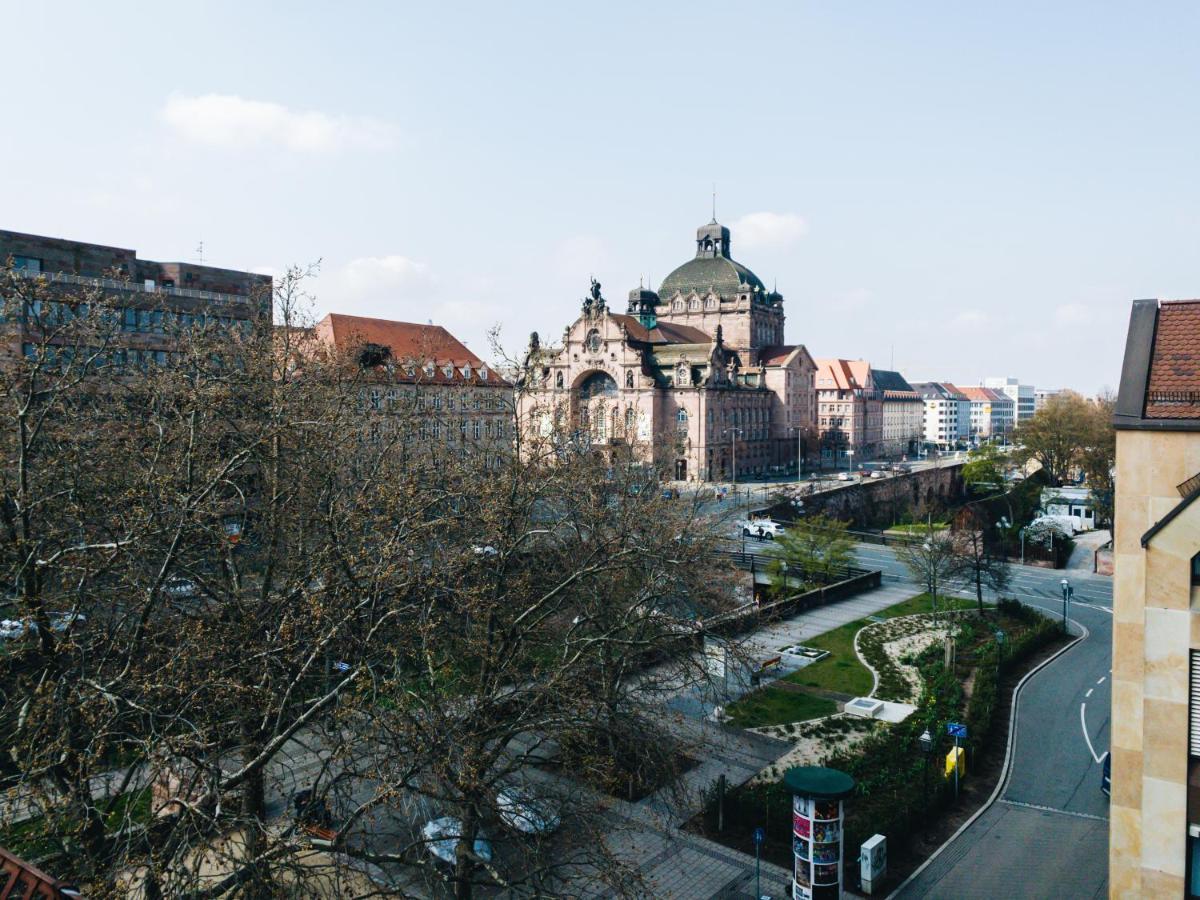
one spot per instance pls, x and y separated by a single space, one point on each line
130 286
756 562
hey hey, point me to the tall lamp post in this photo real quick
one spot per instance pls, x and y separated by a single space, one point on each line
849 459
799 449
736 432
1067 592
925 741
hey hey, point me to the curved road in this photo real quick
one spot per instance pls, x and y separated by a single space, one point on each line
1047 833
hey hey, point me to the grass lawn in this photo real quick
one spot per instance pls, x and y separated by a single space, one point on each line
777 706
919 528
840 670
29 839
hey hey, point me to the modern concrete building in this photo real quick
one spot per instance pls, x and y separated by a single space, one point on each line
849 411
694 378
903 414
1023 396
153 299
991 413
1154 831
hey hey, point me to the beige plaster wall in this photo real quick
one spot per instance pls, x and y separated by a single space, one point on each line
1154 627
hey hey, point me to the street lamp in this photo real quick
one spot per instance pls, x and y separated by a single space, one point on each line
1022 534
736 432
799 429
925 741
1067 592
850 459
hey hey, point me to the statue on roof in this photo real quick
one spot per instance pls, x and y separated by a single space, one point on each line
596 291
534 341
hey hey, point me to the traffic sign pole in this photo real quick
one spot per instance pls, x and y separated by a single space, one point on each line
759 836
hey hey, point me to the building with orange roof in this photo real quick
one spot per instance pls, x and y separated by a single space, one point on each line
849 410
453 398
694 378
992 413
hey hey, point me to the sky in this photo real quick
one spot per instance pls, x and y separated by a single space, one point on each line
954 190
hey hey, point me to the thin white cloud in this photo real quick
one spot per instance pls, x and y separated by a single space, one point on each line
970 320
232 122
768 229
383 279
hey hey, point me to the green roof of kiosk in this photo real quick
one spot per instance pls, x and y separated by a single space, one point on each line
819 782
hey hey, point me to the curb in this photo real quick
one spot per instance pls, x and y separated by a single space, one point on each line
1008 759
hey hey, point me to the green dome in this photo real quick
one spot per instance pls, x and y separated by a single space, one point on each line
712 269
724 276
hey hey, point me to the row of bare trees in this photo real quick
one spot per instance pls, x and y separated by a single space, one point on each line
222 587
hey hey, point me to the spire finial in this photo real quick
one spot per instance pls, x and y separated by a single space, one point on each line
714 192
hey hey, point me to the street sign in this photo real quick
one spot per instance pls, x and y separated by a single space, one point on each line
759 836
954 729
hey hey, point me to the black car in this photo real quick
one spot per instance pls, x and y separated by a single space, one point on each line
1106 775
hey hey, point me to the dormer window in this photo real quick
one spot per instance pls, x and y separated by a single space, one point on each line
448 370
483 372
466 371
429 369
410 371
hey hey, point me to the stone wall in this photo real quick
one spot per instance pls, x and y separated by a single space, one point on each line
880 502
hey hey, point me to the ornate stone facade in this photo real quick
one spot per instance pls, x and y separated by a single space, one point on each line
692 378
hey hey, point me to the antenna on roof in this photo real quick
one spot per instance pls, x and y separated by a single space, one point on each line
200 250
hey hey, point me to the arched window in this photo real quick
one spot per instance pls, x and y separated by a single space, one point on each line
629 379
681 421
681 375
601 425
592 342
558 379
598 384
630 422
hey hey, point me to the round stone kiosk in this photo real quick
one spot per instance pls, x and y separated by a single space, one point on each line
817 794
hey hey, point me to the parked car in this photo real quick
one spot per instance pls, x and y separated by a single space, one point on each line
522 810
180 588
442 836
11 629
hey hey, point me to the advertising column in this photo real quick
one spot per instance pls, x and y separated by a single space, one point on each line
817 794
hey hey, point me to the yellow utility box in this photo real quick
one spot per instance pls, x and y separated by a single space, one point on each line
957 755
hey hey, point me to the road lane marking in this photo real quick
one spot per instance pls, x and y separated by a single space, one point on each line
1089 693
1083 724
1052 809
1101 681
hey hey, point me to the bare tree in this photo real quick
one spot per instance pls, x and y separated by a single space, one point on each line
930 559
978 557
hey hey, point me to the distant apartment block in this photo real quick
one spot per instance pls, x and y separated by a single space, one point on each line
1154 831
151 298
849 409
903 414
947 413
991 413
1023 395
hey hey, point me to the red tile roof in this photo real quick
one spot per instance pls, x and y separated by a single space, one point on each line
845 374
662 333
413 346
982 394
775 356
1173 388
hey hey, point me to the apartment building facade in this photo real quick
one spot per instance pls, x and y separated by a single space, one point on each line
422 385
903 414
849 410
947 414
1023 396
991 414
153 300
1154 831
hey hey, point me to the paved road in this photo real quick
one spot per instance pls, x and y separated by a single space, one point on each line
1047 835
